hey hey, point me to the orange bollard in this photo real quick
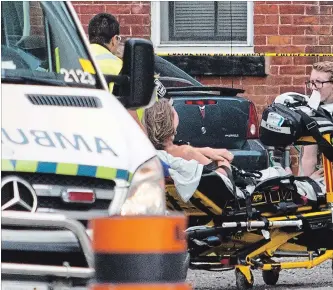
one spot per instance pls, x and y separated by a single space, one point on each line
139 252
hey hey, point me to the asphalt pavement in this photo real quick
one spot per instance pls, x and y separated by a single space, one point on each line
318 278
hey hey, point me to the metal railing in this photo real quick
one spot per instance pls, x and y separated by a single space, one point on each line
56 221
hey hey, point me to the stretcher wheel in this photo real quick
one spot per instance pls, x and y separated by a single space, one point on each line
242 282
270 276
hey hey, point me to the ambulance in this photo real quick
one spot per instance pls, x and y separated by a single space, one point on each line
70 150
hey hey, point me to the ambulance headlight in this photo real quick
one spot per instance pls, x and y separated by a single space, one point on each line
146 195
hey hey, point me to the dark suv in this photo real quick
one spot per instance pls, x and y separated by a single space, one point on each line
214 117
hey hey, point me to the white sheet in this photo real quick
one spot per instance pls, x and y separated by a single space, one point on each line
187 174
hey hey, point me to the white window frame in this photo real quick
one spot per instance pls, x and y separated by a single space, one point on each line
199 47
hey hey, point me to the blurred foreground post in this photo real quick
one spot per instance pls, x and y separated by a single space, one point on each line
139 252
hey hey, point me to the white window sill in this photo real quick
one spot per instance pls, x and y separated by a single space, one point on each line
204 49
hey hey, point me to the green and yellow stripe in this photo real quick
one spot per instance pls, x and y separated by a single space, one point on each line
65 169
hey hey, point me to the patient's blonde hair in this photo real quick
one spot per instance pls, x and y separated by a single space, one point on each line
158 121
324 66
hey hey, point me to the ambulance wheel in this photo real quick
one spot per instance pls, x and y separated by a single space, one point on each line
242 282
270 276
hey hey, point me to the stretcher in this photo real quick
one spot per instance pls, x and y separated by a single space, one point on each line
250 231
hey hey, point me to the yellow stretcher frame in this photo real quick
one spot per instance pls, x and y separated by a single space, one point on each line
279 240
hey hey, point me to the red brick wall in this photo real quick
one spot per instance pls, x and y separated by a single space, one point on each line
279 26
36 19
133 16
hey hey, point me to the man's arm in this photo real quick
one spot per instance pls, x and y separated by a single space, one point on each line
309 160
188 153
216 154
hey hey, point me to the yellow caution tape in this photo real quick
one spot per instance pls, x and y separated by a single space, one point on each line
242 54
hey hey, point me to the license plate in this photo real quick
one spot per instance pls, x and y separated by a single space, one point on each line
13 285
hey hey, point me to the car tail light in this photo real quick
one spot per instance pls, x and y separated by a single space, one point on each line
252 127
225 261
201 102
78 196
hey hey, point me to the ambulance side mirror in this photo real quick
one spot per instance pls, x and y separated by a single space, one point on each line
135 84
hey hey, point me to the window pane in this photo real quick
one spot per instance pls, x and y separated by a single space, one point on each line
35 42
25 32
39 40
238 21
204 21
14 20
190 16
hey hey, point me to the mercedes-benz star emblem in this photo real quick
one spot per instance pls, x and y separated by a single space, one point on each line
17 194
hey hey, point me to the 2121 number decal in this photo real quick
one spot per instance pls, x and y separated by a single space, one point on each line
77 76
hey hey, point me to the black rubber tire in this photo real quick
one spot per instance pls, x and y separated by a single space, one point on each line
241 281
270 277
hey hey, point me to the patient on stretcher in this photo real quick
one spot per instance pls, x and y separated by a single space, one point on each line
190 185
195 181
